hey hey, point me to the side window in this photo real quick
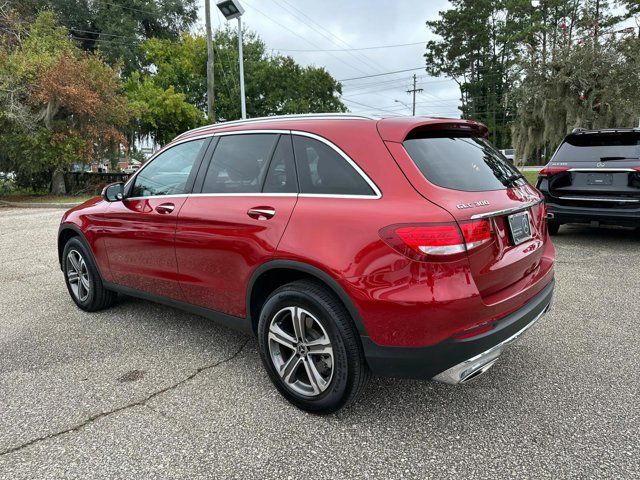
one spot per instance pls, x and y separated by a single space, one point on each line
167 174
281 176
239 163
322 170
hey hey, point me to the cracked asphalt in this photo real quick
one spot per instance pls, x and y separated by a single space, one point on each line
146 391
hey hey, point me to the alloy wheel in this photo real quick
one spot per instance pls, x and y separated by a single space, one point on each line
301 351
78 275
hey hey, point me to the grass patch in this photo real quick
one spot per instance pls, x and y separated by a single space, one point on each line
45 198
532 177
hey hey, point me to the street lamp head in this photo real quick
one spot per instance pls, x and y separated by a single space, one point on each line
230 8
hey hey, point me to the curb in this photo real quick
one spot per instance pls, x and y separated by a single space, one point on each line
38 205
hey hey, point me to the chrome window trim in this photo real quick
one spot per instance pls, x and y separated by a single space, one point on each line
328 195
330 144
600 199
177 195
356 167
596 170
506 211
251 132
377 193
254 194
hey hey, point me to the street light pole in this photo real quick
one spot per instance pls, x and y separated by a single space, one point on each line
402 103
211 115
232 9
243 104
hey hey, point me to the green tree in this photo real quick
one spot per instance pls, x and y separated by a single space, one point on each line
60 105
117 28
584 75
158 113
274 84
531 71
477 43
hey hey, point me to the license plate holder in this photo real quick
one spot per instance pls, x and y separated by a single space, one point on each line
520 227
600 179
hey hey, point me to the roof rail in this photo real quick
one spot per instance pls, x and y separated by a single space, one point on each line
301 116
604 130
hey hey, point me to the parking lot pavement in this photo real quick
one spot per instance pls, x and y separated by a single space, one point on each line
146 391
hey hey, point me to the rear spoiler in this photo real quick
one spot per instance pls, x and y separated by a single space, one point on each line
398 129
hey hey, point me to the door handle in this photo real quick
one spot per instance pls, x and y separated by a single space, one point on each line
165 208
261 213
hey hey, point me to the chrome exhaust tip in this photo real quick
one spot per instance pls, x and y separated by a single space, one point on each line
551 216
470 369
473 367
480 371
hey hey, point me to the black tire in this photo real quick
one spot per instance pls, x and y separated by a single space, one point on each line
97 297
553 227
350 373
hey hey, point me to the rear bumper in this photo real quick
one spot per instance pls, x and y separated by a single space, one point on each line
587 214
455 361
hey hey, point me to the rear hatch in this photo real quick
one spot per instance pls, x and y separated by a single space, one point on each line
488 197
596 168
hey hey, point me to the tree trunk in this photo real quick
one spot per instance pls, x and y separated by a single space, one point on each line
57 183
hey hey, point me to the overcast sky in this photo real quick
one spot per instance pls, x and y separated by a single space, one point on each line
290 25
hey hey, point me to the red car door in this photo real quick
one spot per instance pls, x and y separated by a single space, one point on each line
139 234
248 193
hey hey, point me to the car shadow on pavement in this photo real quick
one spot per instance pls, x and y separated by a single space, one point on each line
595 234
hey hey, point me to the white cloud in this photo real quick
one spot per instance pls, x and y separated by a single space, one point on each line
287 25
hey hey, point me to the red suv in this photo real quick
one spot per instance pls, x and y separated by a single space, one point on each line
348 245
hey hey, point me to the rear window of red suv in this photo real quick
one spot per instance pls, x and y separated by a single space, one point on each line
463 163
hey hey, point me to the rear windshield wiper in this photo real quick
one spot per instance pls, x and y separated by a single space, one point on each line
512 178
613 159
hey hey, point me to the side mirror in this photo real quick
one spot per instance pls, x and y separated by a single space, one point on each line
113 192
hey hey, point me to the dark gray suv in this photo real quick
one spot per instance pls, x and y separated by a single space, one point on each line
594 178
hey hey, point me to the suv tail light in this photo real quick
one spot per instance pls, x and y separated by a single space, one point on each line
437 241
550 171
636 168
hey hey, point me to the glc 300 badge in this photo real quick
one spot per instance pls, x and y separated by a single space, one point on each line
480 203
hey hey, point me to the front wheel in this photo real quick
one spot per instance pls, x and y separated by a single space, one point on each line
310 347
83 279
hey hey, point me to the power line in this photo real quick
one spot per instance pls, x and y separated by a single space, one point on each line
381 74
379 109
128 8
94 32
376 65
297 34
330 35
352 49
359 86
101 40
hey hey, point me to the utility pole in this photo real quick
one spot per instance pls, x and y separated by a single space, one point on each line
211 114
414 90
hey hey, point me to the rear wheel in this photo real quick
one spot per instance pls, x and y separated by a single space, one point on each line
553 227
310 347
83 279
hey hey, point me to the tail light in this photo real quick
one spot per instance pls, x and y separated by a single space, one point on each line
636 168
437 241
551 170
